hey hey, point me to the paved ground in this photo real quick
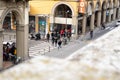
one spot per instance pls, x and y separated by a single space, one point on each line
73 45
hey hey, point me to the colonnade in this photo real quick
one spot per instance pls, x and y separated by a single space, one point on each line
99 21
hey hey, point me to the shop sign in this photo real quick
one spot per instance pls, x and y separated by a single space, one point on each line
81 6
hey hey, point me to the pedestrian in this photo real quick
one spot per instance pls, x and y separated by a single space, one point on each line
48 37
52 36
91 34
103 26
55 39
59 43
68 35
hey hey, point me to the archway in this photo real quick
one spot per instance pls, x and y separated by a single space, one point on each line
63 18
103 13
117 10
97 15
108 12
114 9
112 12
14 20
11 19
89 16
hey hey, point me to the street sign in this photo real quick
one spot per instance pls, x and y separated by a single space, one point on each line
82 6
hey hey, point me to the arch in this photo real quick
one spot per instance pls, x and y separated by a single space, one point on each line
90 9
61 11
115 3
59 3
118 3
103 12
17 12
98 6
97 9
110 4
104 5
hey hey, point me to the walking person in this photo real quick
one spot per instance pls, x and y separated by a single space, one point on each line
48 37
68 35
91 34
52 36
59 43
103 26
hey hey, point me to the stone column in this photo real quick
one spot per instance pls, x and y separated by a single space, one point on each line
109 15
84 25
114 13
75 26
99 19
1 49
104 16
21 43
36 24
92 21
26 49
118 13
52 21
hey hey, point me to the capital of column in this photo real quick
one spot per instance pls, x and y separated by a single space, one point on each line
20 27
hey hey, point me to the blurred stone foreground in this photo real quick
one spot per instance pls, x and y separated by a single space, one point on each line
100 60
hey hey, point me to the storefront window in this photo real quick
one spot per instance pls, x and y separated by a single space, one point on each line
42 26
31 24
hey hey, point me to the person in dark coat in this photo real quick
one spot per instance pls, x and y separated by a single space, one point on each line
56 38
59 43
52 36
91 34
48 36
103 26
38 36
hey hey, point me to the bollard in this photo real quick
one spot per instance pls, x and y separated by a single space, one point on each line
49 48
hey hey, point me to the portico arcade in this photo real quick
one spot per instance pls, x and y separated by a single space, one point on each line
21 13
97 13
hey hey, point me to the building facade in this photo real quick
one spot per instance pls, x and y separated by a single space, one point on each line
80 16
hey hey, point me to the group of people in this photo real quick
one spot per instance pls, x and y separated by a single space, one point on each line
9 51
35 37
60 37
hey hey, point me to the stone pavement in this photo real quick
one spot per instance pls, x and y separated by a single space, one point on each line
74 45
